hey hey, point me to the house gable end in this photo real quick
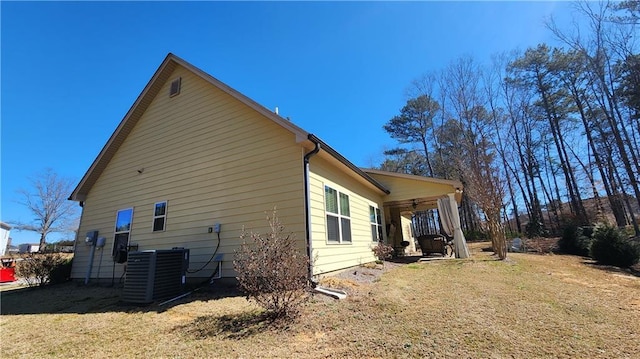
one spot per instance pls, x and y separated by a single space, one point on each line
151 90
211 159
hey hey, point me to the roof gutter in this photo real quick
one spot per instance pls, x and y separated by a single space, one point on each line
307 207
347 163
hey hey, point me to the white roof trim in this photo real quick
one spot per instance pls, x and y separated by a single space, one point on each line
453 183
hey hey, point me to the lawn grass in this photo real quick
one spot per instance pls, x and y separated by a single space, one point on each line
529 306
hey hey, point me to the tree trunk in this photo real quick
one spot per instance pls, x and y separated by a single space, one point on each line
605 170
554 124
620 144
551 206
527 204
535 212
43 242
514 203
632 216
555 203
496 231
426 156
507 169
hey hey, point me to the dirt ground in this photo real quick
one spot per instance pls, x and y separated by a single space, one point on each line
371 272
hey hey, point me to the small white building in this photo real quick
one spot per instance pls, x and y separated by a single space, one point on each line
28 248
4 237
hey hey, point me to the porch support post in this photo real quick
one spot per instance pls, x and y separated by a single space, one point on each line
408 232
459 242
395 231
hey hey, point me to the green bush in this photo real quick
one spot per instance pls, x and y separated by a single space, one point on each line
611 247
44 268
535 229
576 240
61 272
511 235
476 236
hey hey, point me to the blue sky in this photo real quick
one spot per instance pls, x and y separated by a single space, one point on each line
71 70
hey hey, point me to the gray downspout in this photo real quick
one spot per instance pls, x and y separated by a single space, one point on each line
91 255
307 209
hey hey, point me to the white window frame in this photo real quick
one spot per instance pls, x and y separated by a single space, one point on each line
340 216
130 221
118 233
377 222
163 216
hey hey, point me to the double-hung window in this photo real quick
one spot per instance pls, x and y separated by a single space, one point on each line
124 219
376 223
338 216
123 223
159 216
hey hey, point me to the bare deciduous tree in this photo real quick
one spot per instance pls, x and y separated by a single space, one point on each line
47 201
556 127
484 183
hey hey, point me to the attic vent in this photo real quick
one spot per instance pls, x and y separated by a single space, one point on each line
175 87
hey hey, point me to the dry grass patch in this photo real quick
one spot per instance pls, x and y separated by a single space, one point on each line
528 306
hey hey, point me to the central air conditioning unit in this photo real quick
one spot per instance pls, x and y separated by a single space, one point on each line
155 274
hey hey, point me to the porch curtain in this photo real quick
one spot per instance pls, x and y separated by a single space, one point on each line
444 209
450 219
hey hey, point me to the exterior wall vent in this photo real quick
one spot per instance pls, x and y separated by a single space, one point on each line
154 275
175 87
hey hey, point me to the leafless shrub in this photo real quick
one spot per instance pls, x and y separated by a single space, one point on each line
272 271
541 245
382 251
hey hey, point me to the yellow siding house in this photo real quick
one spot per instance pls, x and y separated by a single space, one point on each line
193 162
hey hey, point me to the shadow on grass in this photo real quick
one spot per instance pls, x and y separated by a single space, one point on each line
416 258
81 299
633 270
486 257
232 326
